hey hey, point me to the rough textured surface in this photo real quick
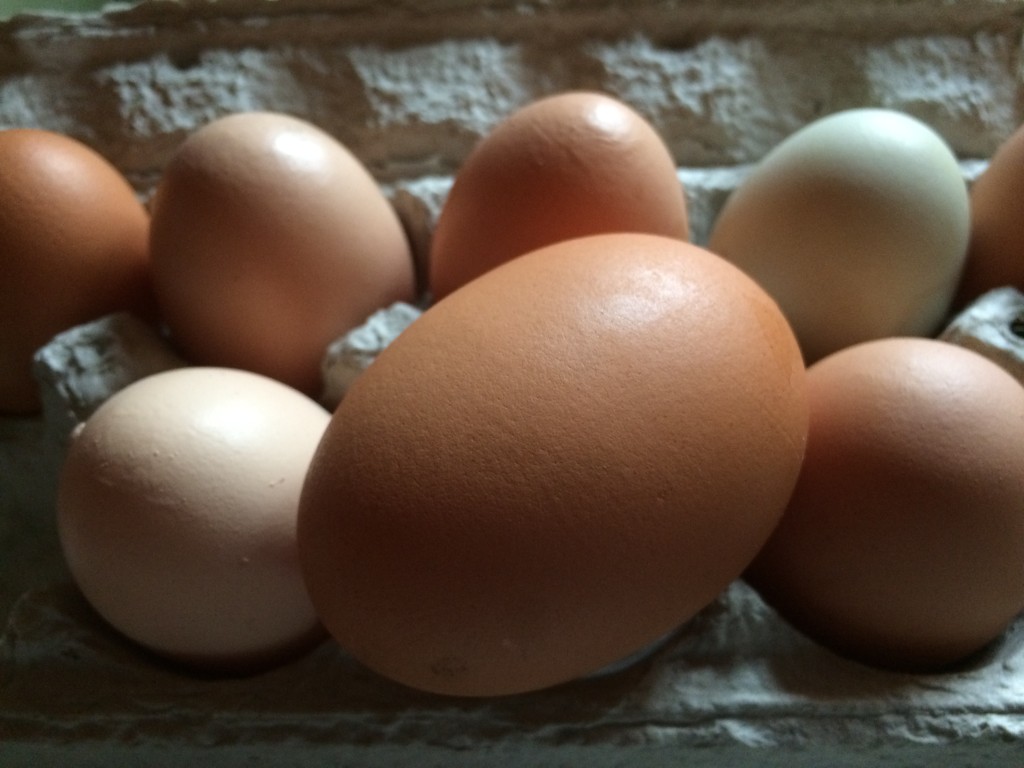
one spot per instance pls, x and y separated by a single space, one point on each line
994 326
409 92
81 367
350 355
735 687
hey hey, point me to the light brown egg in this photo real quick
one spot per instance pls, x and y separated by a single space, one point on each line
903 545
177 516
995 257
73 247
554 466
565 166
269 240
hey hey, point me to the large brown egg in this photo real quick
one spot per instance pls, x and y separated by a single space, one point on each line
554 466
904 542
73 247
995 257
269 240
565 166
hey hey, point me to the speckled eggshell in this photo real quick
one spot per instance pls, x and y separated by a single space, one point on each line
73 247
177 515
568 165
269 240
857 224
995 257
554 466
903 545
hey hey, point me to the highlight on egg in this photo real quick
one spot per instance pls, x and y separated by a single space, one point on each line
554 466
568 165
903 544
269 240
857 224
176 513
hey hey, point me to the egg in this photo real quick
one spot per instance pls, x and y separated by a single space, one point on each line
557 464
995 257
903 545
176 514
269 240
568 165
73 247
857 225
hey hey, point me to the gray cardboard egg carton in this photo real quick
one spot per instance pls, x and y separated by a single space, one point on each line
409 87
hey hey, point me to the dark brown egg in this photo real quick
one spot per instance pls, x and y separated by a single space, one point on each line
554 466
73 247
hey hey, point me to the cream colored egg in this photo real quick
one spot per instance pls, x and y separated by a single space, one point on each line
177 515
857 225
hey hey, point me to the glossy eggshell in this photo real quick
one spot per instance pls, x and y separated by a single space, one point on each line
177 516
554 466
857 225
270 240
568 165
73 247
995 257
903 545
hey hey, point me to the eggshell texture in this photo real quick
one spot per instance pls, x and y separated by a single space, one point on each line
903 545
569 165
270 240
995 257
857 224
554 466
177 515
73 247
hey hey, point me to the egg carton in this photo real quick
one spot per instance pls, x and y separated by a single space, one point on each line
409 88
